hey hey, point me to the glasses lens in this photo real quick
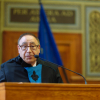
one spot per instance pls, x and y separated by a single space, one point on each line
23 47
33 47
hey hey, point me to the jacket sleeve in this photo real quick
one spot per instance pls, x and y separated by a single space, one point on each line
58 76
2 74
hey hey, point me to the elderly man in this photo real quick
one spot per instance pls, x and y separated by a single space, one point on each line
26 67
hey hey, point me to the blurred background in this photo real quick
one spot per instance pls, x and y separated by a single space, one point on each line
75 25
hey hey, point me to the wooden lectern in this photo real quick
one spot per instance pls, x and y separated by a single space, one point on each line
31 91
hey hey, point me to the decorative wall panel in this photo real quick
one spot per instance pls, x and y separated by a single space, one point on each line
27 15
92 41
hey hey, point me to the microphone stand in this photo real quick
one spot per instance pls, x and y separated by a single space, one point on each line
37 56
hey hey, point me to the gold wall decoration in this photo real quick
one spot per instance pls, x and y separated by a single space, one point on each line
93 41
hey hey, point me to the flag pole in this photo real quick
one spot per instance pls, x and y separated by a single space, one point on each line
40 2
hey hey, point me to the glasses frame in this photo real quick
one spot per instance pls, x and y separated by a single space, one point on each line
28 47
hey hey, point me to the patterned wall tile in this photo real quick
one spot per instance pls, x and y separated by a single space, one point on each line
92 41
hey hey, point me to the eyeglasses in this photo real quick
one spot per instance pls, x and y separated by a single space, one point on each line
24 47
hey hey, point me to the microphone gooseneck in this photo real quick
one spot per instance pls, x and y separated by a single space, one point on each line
75 73
37 56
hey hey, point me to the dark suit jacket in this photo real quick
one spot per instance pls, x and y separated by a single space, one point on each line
13 71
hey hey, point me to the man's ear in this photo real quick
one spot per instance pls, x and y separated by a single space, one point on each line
39 48
18 48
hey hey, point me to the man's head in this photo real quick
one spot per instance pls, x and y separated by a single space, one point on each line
28 46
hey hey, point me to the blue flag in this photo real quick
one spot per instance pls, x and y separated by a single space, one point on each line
49 49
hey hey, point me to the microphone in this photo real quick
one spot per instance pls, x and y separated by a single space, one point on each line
37 56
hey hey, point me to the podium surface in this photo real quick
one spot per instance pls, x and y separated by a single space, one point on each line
47 91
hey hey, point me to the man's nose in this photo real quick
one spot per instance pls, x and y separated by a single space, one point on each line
29 49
